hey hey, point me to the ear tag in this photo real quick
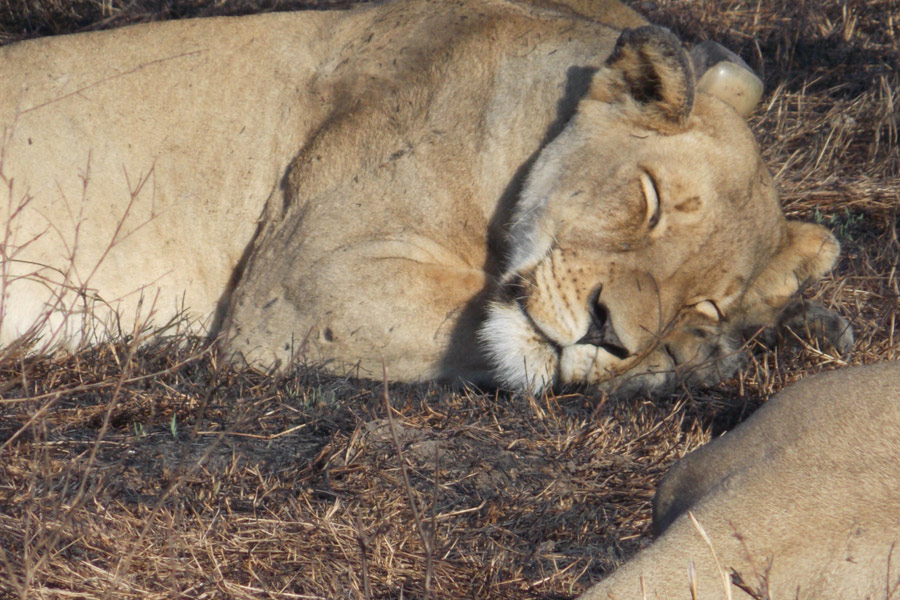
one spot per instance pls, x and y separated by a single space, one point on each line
738 87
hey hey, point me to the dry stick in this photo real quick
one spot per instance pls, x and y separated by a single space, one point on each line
11 577
739 583
726 581
363 550
692 580
889 589
434 495
64 286
420 527
84 88
737 579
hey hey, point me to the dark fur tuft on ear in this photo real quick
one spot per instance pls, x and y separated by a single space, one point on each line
649 66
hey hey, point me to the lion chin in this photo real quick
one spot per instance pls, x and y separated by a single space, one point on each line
525 359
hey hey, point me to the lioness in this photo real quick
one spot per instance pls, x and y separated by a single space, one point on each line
496 191
802 500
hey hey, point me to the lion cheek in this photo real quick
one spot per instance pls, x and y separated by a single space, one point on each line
557 300
520 357
557 321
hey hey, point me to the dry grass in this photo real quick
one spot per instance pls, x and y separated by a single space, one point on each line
21 19
152 471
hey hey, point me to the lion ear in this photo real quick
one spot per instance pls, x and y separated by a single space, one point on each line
808 253
648 70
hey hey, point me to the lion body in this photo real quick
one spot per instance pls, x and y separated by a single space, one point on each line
802 500
148 132
354 187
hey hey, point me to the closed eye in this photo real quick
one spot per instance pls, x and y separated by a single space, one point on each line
651 200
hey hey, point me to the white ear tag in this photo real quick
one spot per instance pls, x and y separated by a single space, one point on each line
738 87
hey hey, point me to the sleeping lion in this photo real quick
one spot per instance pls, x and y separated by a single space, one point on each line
801 501
516 193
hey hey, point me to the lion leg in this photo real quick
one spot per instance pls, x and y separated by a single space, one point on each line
408 308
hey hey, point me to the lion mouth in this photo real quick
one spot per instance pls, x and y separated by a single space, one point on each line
620 352
522 355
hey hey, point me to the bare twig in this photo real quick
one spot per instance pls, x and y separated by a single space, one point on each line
427 540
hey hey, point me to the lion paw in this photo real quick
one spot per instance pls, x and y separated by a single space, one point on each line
822 327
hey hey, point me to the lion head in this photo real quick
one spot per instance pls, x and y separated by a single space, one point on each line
648 235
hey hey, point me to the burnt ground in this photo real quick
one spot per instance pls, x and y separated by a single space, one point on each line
149 470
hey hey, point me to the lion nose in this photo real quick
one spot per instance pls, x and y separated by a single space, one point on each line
600 332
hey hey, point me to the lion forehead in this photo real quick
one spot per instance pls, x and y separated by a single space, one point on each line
586 192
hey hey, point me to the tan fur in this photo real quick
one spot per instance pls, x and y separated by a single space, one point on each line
803 497
363 187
